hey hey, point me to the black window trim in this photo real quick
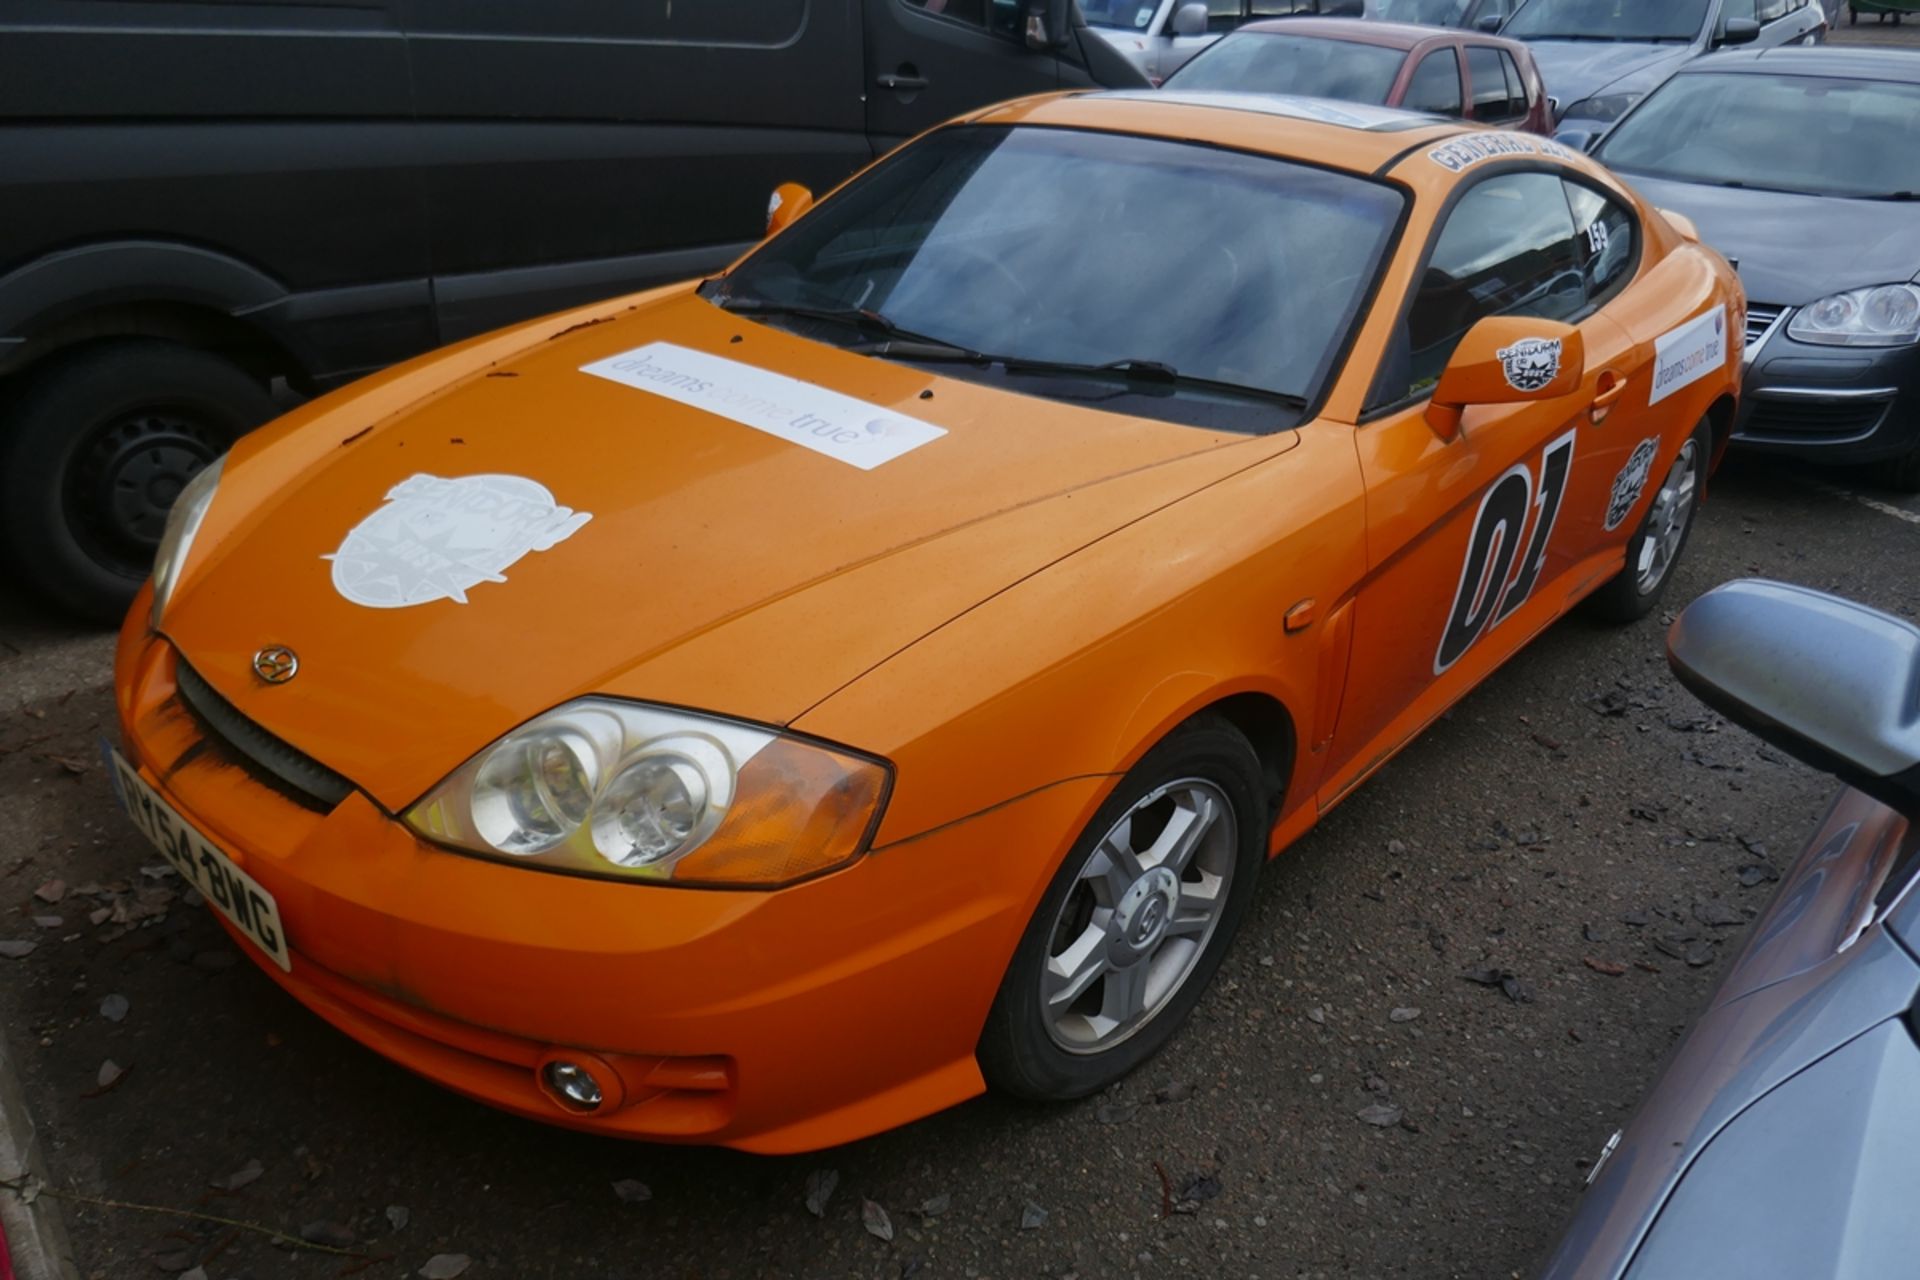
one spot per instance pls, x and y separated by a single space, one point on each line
1499 169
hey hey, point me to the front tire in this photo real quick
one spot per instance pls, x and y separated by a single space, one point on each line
1656 545
1135 922
100 441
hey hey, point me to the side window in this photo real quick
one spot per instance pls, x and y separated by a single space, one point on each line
1002 17
1435 85
1508 248
1516 86
1607 242
1490 100
1737 9
1772 10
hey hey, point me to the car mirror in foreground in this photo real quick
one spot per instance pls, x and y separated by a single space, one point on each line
789 201
1505 360
1833 683
1740 31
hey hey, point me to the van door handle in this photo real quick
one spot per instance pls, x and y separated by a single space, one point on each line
905 80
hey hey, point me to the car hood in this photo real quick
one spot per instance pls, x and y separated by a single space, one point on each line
559 533
1814 1179
1576 69
1794 249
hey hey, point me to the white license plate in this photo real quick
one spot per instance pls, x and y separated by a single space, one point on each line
219 878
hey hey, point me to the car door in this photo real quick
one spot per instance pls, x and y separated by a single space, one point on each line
930 60
1474 542
576 149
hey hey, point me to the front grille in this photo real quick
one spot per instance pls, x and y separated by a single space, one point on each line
1803 418
287 769
1761 318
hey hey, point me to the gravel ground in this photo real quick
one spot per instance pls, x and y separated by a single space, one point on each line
1571 822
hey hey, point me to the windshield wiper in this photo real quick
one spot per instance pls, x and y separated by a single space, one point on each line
1150 371
1897 196
895 341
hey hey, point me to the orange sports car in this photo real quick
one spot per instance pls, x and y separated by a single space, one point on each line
766 711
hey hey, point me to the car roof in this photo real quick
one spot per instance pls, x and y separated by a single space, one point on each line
1816 60
1339 135
1396 35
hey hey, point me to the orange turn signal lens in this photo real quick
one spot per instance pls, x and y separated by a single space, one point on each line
800 809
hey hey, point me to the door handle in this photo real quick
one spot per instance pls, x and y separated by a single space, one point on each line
905 80
1610 387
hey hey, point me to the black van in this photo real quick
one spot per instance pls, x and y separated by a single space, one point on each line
204 203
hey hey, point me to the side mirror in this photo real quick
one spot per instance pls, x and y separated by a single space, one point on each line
1490 23
1828 681
1190 19
1506 360
1740 31
1049 24
789 201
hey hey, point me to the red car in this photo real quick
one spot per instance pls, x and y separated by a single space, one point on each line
1464 74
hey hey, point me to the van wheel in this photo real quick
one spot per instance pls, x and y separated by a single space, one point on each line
1135 922
97 444
1656 545
1902 473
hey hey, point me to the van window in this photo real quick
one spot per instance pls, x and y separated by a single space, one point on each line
999 16
764 22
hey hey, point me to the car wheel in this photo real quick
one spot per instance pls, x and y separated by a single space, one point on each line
1656 545
1137 919
97 444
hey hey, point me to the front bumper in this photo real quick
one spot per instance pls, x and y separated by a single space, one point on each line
769 1021
1829 404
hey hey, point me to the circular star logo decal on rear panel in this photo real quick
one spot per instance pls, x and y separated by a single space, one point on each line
437 539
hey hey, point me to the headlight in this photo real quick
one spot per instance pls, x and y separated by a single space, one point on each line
1886 315
176 537
631 791
1605 108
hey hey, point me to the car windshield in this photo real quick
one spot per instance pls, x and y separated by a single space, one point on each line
1225 272
1432 13
1275 62
1129 15
1630 20
1808 134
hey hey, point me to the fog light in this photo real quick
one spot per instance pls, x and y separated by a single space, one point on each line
573 1084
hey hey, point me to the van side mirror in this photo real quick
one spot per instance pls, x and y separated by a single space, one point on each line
1506 360
1190 19
789 201
1049 24
1740 31
1828 681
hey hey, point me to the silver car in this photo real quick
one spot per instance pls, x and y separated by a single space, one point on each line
1782 1142
1158 36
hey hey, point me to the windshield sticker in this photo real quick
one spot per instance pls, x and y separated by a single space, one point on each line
437 539
1687 354
1456 154
1531 364
847 430
1631 483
